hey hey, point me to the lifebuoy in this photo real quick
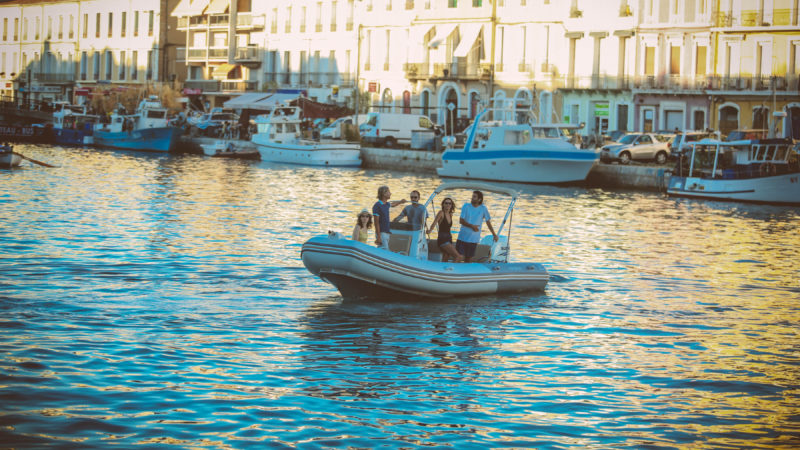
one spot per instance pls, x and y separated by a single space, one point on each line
767 170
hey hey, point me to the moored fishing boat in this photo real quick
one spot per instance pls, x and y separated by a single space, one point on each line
72 125
517 151
764 171
147 129
411 268
278 139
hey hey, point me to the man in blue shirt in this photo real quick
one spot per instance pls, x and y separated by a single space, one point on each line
472 216
381 212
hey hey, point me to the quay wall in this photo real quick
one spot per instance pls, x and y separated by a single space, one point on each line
650 178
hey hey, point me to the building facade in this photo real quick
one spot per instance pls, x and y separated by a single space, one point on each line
61 50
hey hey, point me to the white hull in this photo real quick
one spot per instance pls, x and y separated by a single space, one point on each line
312 154
520 169
784 189
8 160
360 270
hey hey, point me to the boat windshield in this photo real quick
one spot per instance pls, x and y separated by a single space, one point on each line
156 114
550 132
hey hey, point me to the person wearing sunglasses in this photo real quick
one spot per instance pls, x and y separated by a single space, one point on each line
363 224
444 220
414 212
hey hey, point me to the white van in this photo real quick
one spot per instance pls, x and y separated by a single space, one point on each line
390 129
334 130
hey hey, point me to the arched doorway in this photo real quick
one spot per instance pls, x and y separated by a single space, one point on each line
387 101
450 112
406 102
792 122
728 119
522 104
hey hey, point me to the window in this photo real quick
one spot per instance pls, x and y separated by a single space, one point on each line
273 26
303 19
97 26
49 28
96 66
122 65
123 24
151 23
60 27
675 60
452 3
333 15
477 3
14 63
71 26
110 24
287 67
319 17
699 119
109 64
16 29
85 25
149 73
36 30
700 60
650 61
3 66
5 28
350 8
136 23
288 25
25 29
84 65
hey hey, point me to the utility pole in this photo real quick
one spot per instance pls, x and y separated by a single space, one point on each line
491 72
358 72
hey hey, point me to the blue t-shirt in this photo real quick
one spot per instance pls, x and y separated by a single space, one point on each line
381 209
474 216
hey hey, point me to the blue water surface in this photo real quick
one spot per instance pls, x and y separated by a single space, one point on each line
159 300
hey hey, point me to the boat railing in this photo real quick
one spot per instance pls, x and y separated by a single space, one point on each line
719 160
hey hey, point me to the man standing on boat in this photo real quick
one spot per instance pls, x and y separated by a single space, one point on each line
472 216
414 212
381 212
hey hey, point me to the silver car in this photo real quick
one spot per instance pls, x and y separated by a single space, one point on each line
638 147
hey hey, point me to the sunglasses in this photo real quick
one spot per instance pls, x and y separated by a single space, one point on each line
448 203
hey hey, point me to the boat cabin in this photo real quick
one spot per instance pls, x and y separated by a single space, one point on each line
149 114
281 125
738 160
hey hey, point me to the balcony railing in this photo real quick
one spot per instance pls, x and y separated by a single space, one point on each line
247 54
218 53
752 18
459 69
249 21
204 85
219 20
196 54
783 17
239 86
54 77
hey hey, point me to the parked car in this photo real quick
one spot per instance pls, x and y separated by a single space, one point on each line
681 141
390 129
636 146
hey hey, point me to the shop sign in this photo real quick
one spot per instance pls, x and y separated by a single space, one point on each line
191 91
601 109
372 86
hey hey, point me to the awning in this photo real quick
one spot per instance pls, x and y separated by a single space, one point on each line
221 71
274 99
469 34
443 31
245 101
218 6
190 8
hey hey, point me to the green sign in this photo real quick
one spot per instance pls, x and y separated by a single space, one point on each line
601 109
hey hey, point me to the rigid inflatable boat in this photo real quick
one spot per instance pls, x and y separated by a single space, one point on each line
412 266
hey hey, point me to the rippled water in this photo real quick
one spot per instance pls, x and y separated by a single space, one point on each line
151 299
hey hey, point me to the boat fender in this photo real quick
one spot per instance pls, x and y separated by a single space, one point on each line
767 169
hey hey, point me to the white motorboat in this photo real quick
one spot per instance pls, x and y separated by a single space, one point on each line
413 268
764 171
517 151
278 139
8 158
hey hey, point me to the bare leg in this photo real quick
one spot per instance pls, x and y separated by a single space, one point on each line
450 250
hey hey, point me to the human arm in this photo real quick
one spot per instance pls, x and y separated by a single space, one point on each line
489 225
377 230
397 203
402 214
355 233
467 224
439 216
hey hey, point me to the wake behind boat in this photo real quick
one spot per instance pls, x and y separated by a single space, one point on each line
147 129
413 267
278 140
525 152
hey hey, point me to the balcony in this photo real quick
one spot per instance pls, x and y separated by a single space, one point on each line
196 54
247 21
54 77
782 17
238 86
752 18
218 53
247 54
218 20
204 85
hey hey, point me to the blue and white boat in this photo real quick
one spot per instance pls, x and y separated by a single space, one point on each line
147 129
517 151
412 266
763 171
72 125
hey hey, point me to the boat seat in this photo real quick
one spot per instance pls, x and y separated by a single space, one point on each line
482 253
434 252
400 243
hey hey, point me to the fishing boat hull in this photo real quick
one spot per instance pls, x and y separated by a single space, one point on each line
311 154
73 137
778 189
157 139
519 166
9 160
362 271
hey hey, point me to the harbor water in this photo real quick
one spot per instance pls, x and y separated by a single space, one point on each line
160 300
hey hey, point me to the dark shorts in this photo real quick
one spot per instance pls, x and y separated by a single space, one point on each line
467 249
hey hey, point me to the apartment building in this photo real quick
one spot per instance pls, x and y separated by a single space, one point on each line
65 49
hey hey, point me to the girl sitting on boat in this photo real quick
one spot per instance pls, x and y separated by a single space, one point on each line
363 224
444 219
